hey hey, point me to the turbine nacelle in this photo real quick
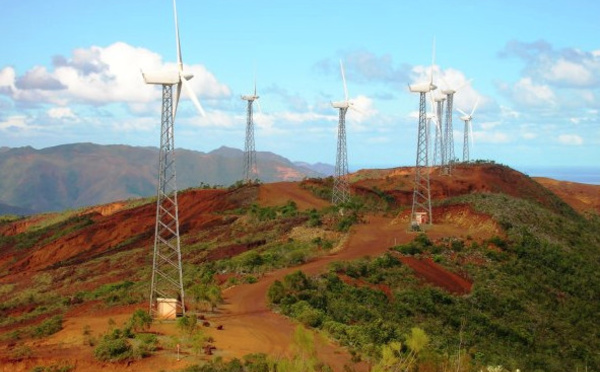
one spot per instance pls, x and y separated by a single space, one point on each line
448 91
164 77
468 117
250 97
422 88
341 104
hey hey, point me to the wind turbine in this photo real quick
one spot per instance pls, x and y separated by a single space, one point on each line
448 130
250 168
167 274
468 131
431 117
341 187
439 153
422 193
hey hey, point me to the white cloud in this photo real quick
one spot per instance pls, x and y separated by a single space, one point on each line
490 137
17 124
61 113
529 135
7 80
489 124
363 110
569 73
570 139
528 93
568 67
103 75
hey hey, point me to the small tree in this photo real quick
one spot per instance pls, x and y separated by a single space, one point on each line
392 358
188 324
140 321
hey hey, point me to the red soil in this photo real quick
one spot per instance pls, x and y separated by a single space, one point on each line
273 194
581 197
437 275
249 325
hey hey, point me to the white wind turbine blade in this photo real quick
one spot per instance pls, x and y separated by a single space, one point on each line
179 59
474 107
192 95
176 100
259 108
462 112
446 85
464 84
432 103
256 98
432 64
344 80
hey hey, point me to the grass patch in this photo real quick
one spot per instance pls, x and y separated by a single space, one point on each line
48 327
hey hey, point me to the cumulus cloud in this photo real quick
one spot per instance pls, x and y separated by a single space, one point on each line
100 76
568 67
61 113
527 92
39 78
362 111
7 80
293 101
364 66
490 137
17 124
570 139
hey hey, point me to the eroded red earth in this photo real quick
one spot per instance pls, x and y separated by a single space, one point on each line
248 324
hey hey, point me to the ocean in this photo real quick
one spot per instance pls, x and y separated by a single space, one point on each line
589 175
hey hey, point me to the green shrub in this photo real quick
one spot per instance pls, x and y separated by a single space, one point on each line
140 320
113 350
276 292
148 343
54 368
188 324
49 326
410 249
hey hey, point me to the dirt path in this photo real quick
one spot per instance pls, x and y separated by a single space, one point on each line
249 325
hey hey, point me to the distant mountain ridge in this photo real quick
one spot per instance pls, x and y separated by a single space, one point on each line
322 168
84 174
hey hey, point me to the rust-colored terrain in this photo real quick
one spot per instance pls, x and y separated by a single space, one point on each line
112 243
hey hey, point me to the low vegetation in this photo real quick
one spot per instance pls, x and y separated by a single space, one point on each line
303 360
127 343
533 306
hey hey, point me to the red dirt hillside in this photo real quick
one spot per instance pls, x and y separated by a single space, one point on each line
580 196
84 250
465 179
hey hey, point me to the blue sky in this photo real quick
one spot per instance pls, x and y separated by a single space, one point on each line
70 72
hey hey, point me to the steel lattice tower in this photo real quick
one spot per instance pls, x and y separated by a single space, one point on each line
167 274
466 142
422 192
250 169
439 153
341 187
449 136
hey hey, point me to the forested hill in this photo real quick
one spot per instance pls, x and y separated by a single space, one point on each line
84 174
